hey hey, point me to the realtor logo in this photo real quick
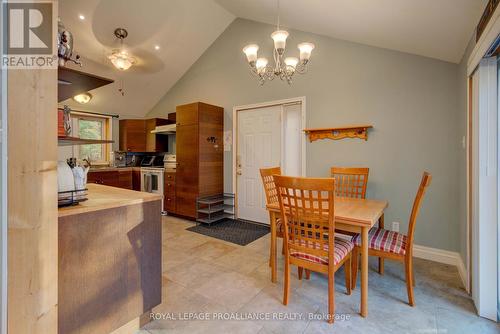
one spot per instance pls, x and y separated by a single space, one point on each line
28 33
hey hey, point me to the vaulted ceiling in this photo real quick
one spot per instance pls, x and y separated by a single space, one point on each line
438 29
184 29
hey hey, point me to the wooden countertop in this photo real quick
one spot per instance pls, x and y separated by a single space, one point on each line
104 197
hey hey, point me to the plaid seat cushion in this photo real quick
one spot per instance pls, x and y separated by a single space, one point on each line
342 249
384 240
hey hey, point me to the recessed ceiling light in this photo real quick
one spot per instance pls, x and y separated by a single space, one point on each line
157 47
81 17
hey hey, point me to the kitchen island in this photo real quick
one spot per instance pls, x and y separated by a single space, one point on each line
109 260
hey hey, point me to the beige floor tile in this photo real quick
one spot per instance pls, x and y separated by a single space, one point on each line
231 289
242 260
203 274
211 250
194 273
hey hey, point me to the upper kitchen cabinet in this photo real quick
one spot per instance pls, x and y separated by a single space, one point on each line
136 136
156 142
133 135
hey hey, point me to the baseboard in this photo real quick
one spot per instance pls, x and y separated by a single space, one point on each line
436 255
442 256
462 271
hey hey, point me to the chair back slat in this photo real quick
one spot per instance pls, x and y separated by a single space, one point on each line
350 182
424 184
307 208
268 182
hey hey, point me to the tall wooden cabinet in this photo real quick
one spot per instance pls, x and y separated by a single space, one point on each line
199 150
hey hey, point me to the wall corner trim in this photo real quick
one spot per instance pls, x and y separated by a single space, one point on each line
442 256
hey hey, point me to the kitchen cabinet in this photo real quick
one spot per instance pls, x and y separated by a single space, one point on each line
110 260
169 198
156 142
187 114
199 151
125 179
136 178
108 178
133 135
136 136
113 178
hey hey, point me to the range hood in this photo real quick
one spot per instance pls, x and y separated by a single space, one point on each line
164 129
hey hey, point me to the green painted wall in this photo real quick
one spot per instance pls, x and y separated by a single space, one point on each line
412 102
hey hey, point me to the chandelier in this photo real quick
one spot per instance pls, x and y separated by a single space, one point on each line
120 58
284 68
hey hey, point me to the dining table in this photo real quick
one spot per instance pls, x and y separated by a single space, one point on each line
352 215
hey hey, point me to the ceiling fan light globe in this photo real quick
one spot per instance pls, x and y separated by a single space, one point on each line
122 60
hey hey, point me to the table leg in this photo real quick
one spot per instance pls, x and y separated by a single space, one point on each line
364 271
273 247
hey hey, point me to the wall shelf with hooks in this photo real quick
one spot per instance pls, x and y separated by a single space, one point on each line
357 131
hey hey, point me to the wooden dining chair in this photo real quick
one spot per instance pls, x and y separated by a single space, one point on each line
350 182
271 196
393 245
307 209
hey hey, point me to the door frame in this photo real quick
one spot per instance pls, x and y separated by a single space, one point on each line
236 109
3 192
483 187
481 48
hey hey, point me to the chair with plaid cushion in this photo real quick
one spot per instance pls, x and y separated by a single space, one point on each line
350 181
393 245
272 196
307 210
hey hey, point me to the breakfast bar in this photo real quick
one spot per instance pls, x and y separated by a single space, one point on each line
109 260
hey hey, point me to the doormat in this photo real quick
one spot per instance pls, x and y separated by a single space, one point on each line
233 230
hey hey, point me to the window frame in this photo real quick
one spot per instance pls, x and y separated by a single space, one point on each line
76 116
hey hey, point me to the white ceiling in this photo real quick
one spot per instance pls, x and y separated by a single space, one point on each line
433 28
183 29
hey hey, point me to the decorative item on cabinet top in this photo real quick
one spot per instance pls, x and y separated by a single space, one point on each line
357 131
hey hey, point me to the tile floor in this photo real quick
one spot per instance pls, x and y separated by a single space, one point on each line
202 275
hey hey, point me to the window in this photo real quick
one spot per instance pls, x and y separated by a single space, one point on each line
92 127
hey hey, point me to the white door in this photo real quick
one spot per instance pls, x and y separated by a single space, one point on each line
259 145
